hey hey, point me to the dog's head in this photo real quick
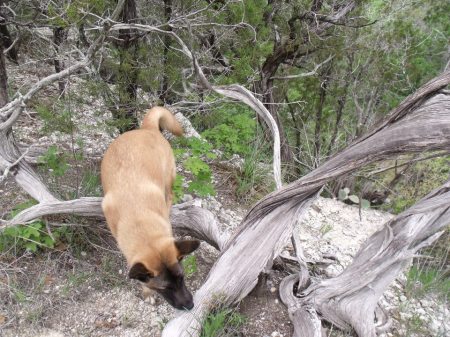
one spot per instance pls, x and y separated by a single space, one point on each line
164 274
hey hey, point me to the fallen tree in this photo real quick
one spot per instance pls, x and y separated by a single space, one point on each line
420 123
349 300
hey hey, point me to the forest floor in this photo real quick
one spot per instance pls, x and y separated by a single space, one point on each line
81 289
84 291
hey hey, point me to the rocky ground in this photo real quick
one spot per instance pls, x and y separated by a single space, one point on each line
89 295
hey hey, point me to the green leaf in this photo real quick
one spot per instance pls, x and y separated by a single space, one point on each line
196 165
31 246
353 198
48 241
365 203
177 188
342 195
189 265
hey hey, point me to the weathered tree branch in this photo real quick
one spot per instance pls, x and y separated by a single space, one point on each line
309 73
187 218
269 223
350 299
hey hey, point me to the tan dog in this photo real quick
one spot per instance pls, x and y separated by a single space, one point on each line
137 173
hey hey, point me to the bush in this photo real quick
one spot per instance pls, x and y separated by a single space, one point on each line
222 323
233 134
195 163
29 237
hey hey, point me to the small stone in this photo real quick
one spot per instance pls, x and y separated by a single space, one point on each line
435 325
273 289
421 311
186 198
83 254
426 303
403 298
276 301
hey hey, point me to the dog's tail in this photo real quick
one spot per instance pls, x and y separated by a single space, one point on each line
161 118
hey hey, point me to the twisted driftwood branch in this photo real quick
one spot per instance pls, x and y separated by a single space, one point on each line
350 299
416 125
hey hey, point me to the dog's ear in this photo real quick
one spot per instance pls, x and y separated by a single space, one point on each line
186 247
139 272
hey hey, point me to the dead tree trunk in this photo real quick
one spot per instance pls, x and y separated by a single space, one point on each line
3 76
127 72
3 79
350 299
418 124
164 92
5 38
59 36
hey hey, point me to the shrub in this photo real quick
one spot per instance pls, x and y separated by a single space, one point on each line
195 163
29 237
222 323
234 135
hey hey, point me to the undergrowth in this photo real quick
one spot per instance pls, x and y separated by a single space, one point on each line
29 237
222 322
194 154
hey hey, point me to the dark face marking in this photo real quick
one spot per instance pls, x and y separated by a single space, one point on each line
175 291
169 284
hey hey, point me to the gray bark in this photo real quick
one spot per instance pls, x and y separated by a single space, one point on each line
350 299
420 123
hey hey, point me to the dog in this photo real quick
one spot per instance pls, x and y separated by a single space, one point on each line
137 173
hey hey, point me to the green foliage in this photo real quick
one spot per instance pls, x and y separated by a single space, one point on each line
222 323
28 237
418 181
421 281
189 265
254 180
416 326
55 162
234 134
60 120
344 195
177 188
201 182
91 184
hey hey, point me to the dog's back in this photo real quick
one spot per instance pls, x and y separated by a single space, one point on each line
137 173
